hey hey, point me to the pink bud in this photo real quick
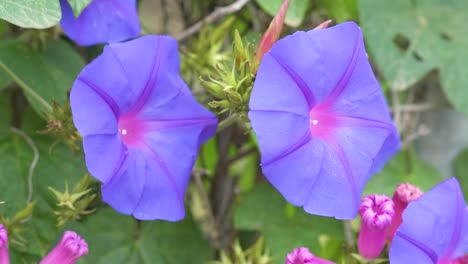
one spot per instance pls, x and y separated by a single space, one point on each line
302 255
4 257
404 194
68 250
376 213
273 32
324 25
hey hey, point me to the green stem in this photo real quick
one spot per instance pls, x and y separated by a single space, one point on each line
47 107
227 122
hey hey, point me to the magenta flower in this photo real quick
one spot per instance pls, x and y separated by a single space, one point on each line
404 194
376 215
68 250
4 256
141 126
321 120
102 21
434 228
302 255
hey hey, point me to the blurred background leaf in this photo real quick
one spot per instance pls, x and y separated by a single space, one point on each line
31 13
264 209
78 6
296 11
410 38
45 75
116 238
404 167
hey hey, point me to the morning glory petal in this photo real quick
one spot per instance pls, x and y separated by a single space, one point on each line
323 76
145 144
102 21
434 226
97 104
123 191
103 147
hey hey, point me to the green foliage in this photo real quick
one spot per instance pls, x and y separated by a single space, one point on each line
296 11
43 75
116 238
410 38
78 6
31 13
21 181
256 254
461 172
404 167
340 10
263 209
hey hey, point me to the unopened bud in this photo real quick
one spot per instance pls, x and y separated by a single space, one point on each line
302 255
376 214
404 194
68 250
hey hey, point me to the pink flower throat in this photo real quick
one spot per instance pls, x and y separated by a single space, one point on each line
131 130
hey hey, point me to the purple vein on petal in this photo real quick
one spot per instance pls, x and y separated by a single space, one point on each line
149 86
298 80
341 85
155 156
352 121
122 158
160 124
338 150
103 95
455 238
301 142
429 252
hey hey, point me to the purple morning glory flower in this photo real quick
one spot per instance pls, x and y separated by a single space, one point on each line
102 21
141 126
434 228
321 120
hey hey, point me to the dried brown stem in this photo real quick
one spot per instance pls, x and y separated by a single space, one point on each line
216 14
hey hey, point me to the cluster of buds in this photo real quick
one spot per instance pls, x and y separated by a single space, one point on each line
67 251
75 204
255 254
60 126
381 217
232 82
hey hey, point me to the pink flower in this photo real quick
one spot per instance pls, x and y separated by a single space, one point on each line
68 250
376 213
4 257
404 194
302 255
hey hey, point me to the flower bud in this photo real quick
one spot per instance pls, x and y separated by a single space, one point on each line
273 32
404 194
4 257
302 255
68 250
376 214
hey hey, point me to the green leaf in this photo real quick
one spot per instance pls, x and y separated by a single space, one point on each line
410 38
54 167
116 238
78 6
340 10
296 11
404 167
263 209
44 76
31 13
461 172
